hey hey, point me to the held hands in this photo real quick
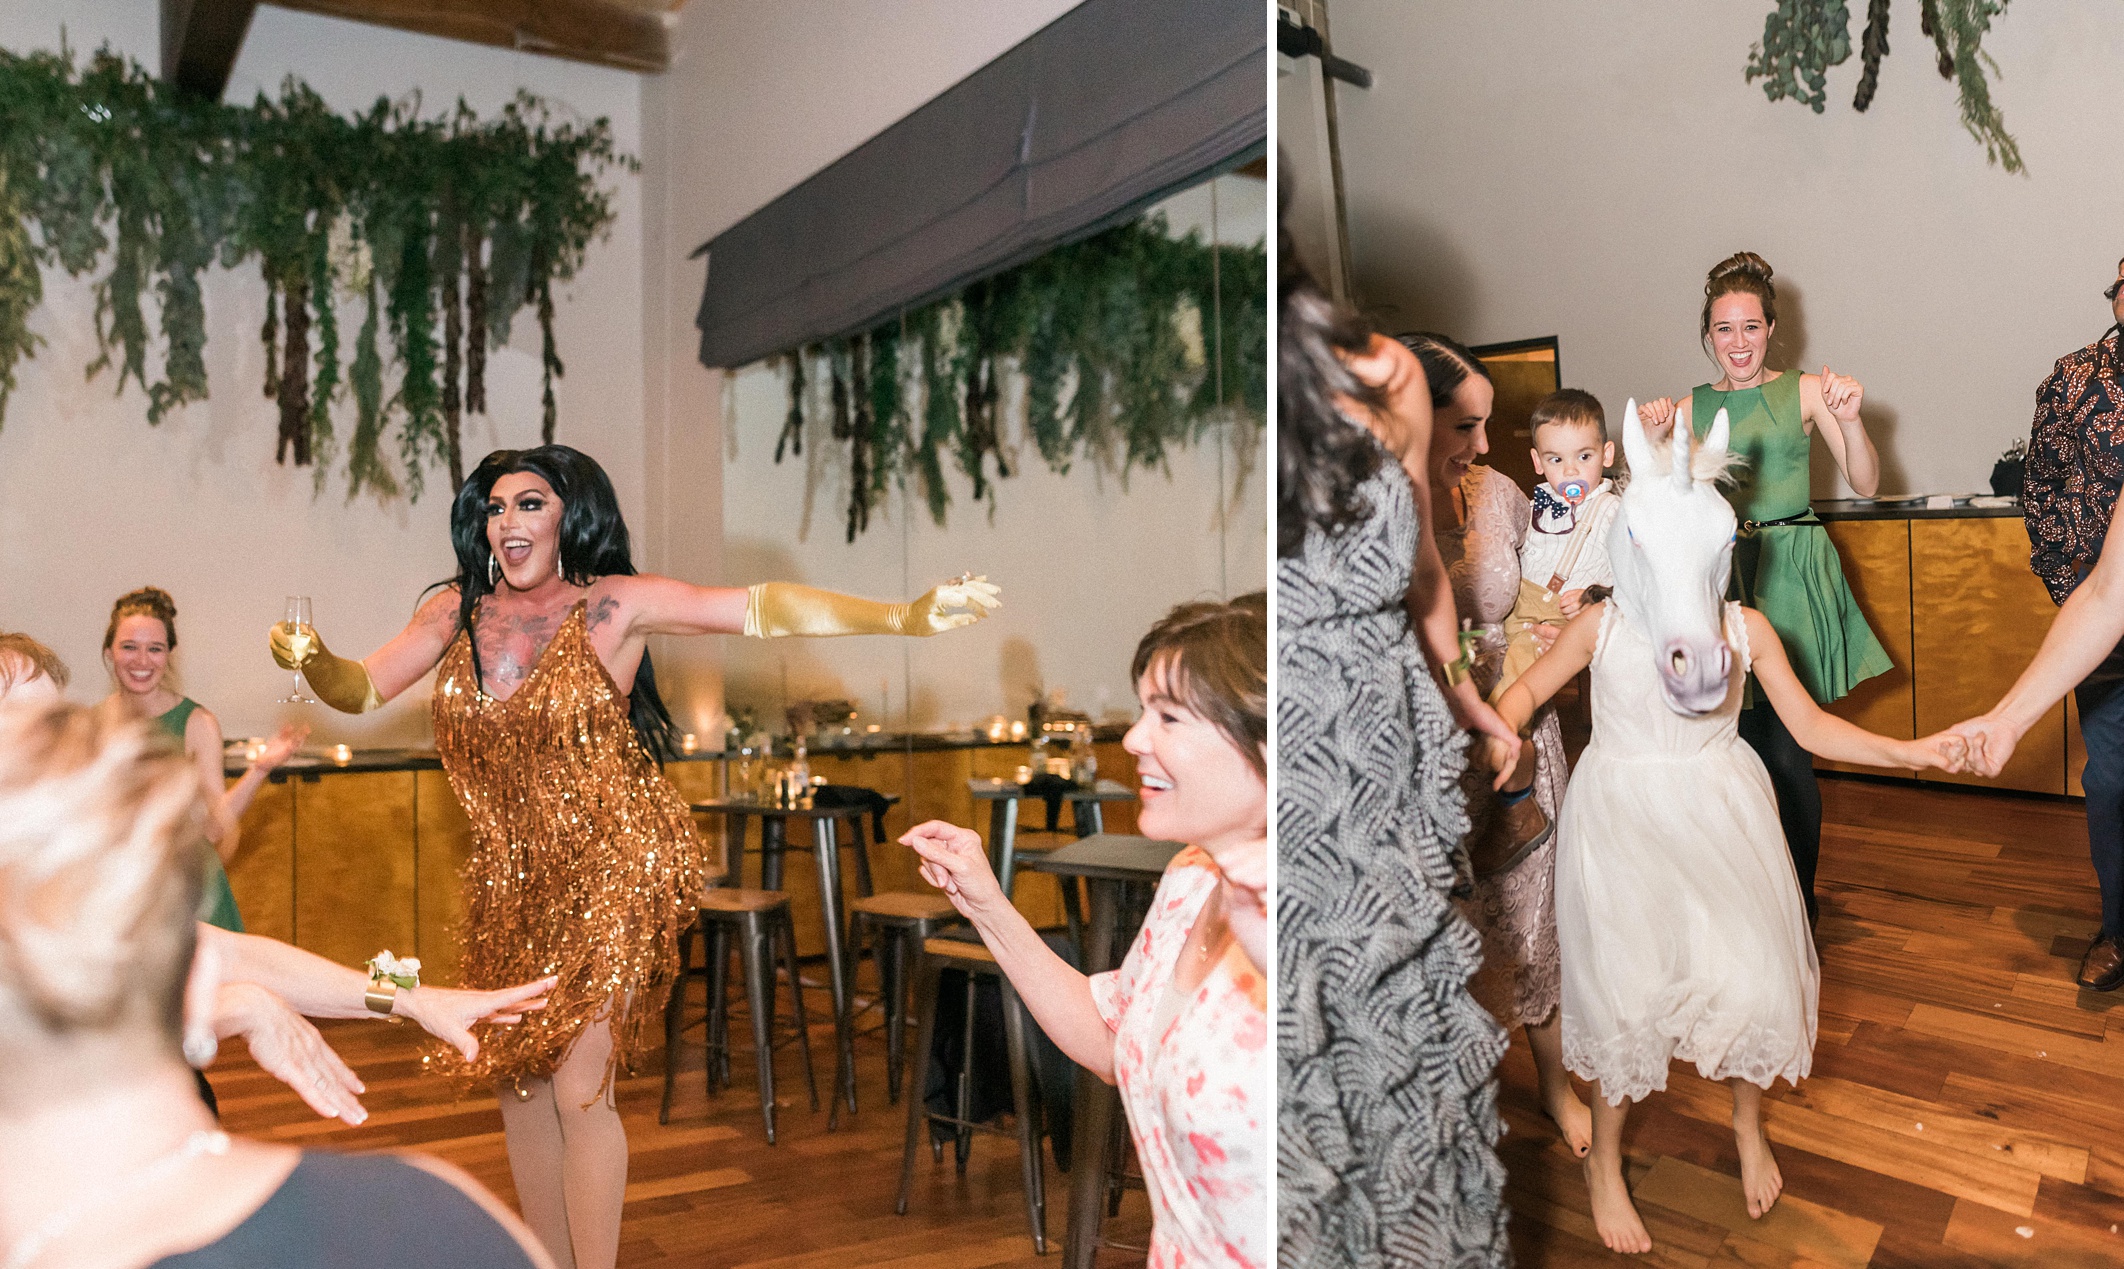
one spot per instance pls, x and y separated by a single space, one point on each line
288 1048
449 1014
1842 394
1991 741
1947 750
1498 740
953 861
956 603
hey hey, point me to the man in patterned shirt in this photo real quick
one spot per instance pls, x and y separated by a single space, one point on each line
2075 468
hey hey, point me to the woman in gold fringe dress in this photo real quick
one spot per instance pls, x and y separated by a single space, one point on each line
585 863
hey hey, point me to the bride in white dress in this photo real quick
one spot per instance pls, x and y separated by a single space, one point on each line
1682 930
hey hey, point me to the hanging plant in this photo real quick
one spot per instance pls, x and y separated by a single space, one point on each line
1802 39
1129 343
439 228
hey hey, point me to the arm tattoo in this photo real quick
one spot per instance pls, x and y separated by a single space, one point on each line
601 612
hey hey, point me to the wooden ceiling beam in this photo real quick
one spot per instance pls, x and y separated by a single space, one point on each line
200 40
606 32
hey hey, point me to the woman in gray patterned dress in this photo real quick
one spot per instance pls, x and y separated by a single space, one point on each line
1480 521
1387 1067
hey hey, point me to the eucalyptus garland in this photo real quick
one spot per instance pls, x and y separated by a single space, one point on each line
1129 343
440 230
1802 39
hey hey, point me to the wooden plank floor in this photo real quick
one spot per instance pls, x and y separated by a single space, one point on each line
1967 1100
707 1190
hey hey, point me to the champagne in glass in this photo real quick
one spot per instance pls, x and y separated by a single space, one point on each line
301 637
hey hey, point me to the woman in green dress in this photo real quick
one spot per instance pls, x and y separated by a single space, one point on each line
1784 564
137 646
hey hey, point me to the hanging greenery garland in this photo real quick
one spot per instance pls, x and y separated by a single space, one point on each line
440 229
1802 39
1118 339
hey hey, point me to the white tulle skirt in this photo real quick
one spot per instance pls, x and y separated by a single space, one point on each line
1680 923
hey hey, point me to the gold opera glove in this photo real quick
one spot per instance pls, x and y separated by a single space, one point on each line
338 682
774 610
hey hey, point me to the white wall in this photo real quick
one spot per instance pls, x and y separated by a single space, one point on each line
94 502
758 98
1535 167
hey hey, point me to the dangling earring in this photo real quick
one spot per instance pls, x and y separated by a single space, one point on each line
560 559
493 571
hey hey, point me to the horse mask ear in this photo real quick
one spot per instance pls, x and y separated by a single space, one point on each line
1681 442
1637 447
1716 439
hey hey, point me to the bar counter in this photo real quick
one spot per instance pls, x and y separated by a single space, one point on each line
1950 596
348 858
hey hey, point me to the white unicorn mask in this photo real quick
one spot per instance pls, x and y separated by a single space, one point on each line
1672 551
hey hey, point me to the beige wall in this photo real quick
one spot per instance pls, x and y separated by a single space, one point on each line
1086 565
1525 168
1086 561
94 502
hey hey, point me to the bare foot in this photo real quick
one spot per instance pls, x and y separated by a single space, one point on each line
1613 1213
1570 1117
1761 1182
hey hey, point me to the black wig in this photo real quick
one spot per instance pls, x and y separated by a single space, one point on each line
593 544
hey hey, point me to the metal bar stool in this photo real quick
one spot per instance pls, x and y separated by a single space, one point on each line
963 950
760 920
901 921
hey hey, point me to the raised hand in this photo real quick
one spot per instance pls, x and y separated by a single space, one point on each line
960 602
953 861
293 646
449 1014
283 745
1656 415
288 1048
1842 394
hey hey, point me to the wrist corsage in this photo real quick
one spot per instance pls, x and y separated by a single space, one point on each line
387 975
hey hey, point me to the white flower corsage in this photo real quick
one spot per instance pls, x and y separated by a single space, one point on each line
406 972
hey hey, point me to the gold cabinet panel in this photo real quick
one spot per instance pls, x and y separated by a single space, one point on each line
1977 617
1876 555
355 864
442 842
263 875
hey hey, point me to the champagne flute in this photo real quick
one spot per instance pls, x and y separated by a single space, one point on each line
301 635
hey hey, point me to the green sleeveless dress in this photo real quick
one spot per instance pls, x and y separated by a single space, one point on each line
219 902
1790 572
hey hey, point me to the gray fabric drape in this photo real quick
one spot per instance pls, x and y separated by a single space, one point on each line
1110 107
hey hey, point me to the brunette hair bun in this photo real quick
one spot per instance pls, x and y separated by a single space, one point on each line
1743 271
148 601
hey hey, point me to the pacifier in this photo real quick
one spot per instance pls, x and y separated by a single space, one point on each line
1574 491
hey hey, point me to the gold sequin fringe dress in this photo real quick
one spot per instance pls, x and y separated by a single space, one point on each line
585 862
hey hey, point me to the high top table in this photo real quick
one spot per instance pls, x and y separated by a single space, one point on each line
826 843
1122 873
1086 811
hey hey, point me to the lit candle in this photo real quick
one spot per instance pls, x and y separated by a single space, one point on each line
873 729
1024 775
998 728
687 744
342 755
1017 729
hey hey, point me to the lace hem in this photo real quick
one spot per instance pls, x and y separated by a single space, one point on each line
1633 1065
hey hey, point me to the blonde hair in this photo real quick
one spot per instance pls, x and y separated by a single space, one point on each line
101 868
148 601
19 650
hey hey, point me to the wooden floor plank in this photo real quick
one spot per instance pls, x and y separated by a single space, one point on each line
1952 926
